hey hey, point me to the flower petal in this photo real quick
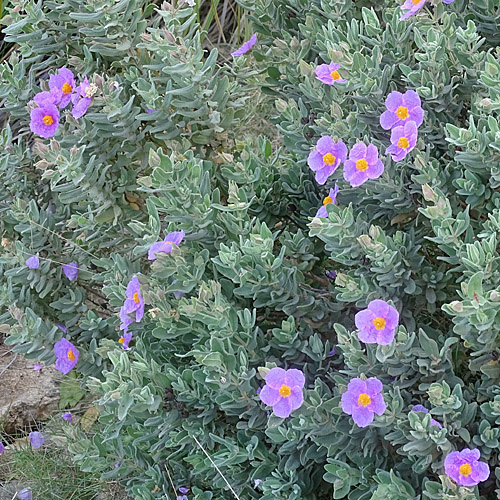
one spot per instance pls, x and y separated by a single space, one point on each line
269 396
294 378
283 408
275 378
296 398
362 416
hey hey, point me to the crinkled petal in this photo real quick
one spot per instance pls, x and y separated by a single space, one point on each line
323 174
322 212
385 336
246 46
358 151
371 154
294 378
470 455
375 171
395 98
269 396
420 408
81 107
175 237
349 401
340 152
325 145
354 176
283 408
362 416
315 161
296 398
388 119
411 99
373 386
378 404
480 472
276 378
159 247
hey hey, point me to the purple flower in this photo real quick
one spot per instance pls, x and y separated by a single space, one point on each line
53 97
71 270
403 140
2 448
331 274
183 490
117 464
149 110
448 1
377 323
411 7
67 356
257 482
44 120
81 99
246 46
331 198
36 439
134 300
362 399
423 409
33 262
68 417
402 108
283 391
326 158
62 327
37 367
125 339
363 164
464 467
328 73
332 352
165 246
25 494
63 82
177 295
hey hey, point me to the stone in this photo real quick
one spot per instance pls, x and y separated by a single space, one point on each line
26 396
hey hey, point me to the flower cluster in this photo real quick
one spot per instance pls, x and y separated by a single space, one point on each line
411 7
63 90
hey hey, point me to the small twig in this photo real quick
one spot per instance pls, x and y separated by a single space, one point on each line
217 468
7 367
171 482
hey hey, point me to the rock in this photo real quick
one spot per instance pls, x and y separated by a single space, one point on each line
26 395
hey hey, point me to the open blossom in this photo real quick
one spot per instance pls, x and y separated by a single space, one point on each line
326 158
63 82
363 399
246 46
37 367
403 140
62 327
331 198
33 262
328 73
363 164
44 120
166 245
464 467
53 97
71 270
36 439
402 108
283 391
82 98
68 417
125 339
423 409
377 323
134 302
411 7
67 356
183 496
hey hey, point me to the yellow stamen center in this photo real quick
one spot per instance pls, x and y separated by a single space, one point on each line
285 391
335 75
121 340
364 400
66 88
48 120
403 143
71 356
327 200
402 113
329 159
379 323
136 298
362 164
414 2
465 469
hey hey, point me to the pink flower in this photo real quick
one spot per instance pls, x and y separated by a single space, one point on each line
327 73
64 84
246 46
44 120
377 323
283 391
326 158
363 164
67 356
362 399
403 140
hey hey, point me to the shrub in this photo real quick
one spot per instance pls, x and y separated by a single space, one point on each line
182 403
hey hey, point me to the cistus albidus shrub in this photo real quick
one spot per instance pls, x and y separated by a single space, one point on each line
313 320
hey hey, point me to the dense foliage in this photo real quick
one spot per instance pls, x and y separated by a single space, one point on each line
252 269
